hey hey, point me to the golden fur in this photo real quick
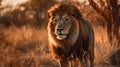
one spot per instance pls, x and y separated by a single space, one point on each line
69 35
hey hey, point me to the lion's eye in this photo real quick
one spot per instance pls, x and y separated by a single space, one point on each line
55 21
66 21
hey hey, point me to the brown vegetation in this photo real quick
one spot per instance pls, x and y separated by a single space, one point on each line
109 9
32 13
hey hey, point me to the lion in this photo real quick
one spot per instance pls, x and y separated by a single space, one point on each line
70 36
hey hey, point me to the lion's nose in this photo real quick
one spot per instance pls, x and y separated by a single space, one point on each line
59 29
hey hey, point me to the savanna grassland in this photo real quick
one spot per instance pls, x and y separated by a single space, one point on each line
26 44
28 47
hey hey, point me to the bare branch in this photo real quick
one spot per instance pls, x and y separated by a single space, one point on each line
115 10
110 13
96 7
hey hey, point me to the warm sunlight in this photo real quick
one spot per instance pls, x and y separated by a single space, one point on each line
59 33
12 2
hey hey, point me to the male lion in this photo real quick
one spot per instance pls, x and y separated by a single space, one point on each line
70 36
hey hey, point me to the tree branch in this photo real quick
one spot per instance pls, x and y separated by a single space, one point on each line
96 7
114 9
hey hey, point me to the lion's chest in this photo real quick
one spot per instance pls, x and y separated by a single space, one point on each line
77 50
61 52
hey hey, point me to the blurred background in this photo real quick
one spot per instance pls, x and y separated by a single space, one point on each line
23 31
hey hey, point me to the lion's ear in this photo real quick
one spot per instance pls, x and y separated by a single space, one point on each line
75 12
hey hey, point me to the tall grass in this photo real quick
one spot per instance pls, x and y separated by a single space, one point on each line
24 47
103 48
28 47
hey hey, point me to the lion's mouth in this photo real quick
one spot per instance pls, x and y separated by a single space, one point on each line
61 36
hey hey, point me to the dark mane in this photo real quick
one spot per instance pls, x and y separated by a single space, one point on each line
64 8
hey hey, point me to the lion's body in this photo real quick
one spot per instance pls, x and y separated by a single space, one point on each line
69 35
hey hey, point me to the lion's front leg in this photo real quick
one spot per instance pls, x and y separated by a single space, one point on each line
91 57
85 59
63 63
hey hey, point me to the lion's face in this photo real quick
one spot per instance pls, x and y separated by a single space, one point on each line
62 25
63 28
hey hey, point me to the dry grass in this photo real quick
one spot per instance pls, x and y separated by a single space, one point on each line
24 47
28 47
103 49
